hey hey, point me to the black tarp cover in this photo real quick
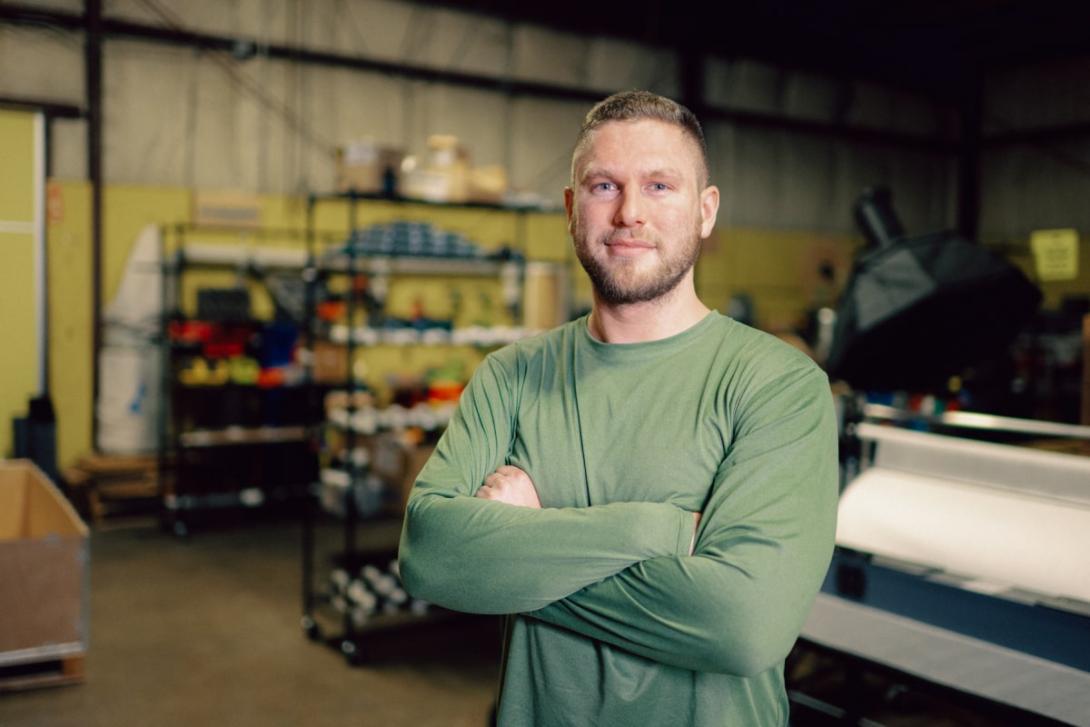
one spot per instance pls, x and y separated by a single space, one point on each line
919 310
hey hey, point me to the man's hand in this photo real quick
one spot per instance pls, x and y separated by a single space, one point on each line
511 485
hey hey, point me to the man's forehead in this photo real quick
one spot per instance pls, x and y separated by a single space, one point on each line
661 145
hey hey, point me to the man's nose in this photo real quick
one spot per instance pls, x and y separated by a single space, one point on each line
630 210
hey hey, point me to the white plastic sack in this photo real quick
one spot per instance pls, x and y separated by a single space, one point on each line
129 363
128 400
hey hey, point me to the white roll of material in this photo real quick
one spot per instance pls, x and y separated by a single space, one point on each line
1002 516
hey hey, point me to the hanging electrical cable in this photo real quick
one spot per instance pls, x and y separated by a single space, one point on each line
191 111
241 81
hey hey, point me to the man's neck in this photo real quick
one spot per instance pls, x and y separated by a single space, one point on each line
654 320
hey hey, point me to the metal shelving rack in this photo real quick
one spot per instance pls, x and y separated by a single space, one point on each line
320 620
180 448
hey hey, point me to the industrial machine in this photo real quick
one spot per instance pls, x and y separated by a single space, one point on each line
964 565
918 309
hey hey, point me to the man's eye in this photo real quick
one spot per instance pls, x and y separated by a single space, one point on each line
604 187
659 187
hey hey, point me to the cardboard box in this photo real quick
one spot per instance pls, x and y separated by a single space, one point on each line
398 464
363 166
44 569
488 184
443 175
330 363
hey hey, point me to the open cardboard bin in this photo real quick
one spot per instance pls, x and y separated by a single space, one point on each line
398 464
44 570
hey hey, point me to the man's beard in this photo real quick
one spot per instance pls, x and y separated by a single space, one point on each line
614 287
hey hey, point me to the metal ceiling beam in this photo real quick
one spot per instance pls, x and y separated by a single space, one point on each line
30 15
855 134
138 31
1079 131
51 109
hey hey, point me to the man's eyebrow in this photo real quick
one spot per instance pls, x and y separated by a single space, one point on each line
597 172
594 172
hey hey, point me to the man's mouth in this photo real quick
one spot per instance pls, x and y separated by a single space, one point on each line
626 244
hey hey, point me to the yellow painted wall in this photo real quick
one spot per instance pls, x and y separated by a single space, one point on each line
776 268
17 162
18 352
70 316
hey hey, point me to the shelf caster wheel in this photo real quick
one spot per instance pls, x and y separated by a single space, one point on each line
351 653
310 628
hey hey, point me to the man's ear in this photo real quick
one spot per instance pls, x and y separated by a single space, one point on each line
569 205
709 210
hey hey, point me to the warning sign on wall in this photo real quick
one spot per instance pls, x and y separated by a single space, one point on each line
1055 254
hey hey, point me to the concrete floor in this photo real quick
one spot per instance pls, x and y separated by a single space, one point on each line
205 631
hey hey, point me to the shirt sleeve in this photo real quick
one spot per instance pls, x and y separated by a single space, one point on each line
481 556
766 538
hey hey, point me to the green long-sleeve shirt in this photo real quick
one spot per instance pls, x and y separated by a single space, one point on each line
612 621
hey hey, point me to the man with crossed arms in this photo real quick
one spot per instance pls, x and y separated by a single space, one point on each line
649 492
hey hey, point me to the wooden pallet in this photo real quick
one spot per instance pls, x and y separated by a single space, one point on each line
49 673
104 485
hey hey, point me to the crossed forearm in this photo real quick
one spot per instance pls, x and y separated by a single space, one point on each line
485 555
512 486
694 613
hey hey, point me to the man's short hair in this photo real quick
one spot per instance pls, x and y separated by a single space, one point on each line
638 105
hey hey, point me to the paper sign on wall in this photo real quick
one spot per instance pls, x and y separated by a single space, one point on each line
54 203
1055 254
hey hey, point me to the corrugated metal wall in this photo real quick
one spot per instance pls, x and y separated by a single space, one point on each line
1044 184
174 116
